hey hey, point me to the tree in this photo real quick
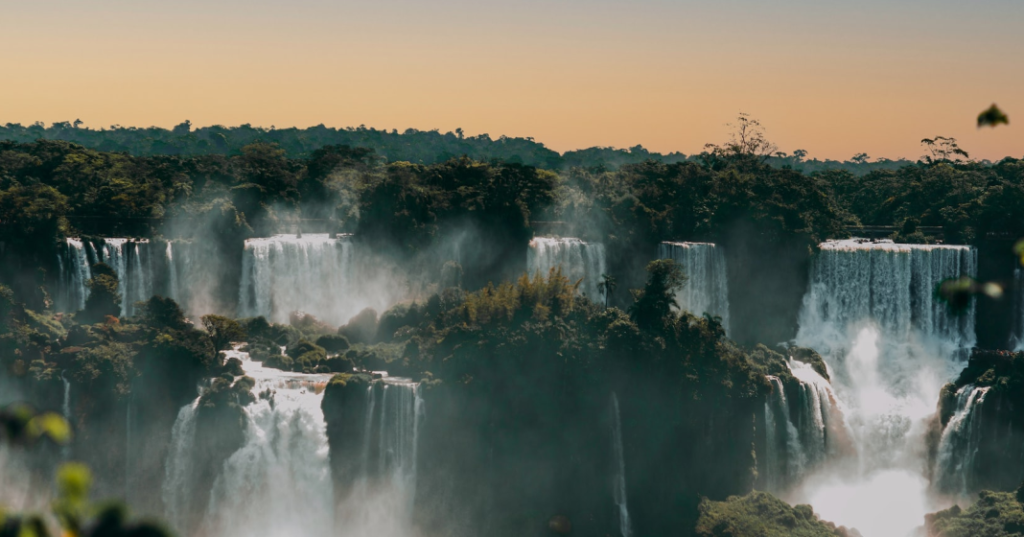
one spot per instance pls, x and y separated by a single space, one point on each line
104 294
747 139
860 158
652 305
943 149
607 286
223 331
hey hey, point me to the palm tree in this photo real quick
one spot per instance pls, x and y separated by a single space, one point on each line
606 287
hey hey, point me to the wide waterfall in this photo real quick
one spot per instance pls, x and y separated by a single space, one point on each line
960 441
314 274
706 289
381 501
279 482
891 345
577 259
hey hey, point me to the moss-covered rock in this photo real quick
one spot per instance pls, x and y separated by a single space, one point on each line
995 514
812 358
759 514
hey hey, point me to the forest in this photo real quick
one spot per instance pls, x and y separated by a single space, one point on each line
505 359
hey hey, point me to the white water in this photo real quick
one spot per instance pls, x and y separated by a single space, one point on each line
706 289
130 260
625 528
960 442
279 483
180 472
314 274
577 259
871 312
66 411
381 502
797 445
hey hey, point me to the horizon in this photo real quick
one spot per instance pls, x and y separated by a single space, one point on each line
877 79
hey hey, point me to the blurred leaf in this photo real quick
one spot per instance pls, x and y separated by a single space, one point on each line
52 425
957 292
73 482
1018 250
992 117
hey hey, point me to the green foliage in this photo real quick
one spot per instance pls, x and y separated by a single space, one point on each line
160 312
759 514
21 424
333 343
223 331
104 295
995 514
992 117
654 303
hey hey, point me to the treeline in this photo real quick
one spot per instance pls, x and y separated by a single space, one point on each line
411 145
50 189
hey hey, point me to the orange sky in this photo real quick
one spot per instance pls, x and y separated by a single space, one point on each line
834 78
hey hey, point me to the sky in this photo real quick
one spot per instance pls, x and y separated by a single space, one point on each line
835 78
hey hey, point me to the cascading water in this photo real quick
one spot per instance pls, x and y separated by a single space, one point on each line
180 470
619 489
1018 310
706 289
871 311
130 260
577 259
798 444
381 502
314 274
960 442
279 482
74 272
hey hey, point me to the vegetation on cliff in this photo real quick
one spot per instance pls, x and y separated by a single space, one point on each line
759 514
994 514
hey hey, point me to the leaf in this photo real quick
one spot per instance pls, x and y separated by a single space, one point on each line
73 482
51 425
992 116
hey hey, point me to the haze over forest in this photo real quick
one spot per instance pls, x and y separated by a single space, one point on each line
650 269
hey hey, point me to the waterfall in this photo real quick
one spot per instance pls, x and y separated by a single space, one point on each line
960 442
179 472
798 442
314 274
870 310
278 483
128 444
706 289
382 500
815 405
66 412
625 529
174 286
74 272
578 259
129 258
66 405
1018 310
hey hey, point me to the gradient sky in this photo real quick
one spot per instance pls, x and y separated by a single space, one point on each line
832 77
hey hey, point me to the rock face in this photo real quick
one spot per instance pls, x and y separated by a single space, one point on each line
505 461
